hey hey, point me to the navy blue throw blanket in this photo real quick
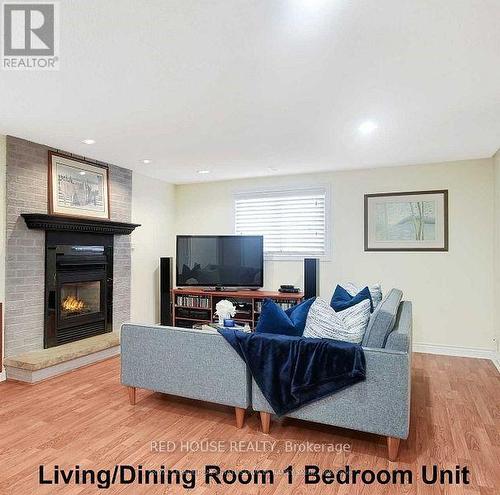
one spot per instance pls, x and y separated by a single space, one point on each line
294 371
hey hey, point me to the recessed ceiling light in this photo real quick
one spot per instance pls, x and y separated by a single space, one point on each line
88 141
203 171
367 127
82 173
146 162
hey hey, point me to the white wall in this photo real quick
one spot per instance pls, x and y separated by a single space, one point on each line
152 207
3 169
452 292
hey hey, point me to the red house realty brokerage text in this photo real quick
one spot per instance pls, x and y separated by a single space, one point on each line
213 475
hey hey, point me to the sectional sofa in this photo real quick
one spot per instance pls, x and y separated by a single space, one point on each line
200 364
197 364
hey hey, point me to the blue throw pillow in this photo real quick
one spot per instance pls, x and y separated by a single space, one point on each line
298 314
275 320
341 299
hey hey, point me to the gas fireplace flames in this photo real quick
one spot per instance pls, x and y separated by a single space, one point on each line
73 305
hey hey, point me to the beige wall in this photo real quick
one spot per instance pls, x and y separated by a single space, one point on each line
452 292
496 167
152 207
3 168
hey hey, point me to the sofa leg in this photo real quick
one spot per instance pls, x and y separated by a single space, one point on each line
240 416
265 419
393 448
131 395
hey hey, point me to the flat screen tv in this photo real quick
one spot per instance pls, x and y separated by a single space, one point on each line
220 261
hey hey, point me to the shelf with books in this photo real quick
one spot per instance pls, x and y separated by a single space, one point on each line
202 304
192 301
283 304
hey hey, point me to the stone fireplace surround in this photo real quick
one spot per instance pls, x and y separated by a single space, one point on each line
27 192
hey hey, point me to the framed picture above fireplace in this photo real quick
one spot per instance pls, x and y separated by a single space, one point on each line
77 188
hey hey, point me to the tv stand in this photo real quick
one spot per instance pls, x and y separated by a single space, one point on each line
193 306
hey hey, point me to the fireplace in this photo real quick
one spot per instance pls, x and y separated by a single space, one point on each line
80 299
79 286
78 275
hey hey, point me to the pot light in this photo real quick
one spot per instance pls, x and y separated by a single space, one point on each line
203 171
88 141
82 173
146 162
367 127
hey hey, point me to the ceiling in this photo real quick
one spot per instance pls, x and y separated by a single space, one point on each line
264 87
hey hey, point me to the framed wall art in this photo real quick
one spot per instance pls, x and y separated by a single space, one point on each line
406 221
77 188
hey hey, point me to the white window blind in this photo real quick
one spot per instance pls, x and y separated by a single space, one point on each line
293 223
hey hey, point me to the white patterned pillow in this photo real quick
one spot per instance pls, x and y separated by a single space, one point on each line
375 292
349 325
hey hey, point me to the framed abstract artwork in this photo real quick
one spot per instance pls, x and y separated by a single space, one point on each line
77 188
407 221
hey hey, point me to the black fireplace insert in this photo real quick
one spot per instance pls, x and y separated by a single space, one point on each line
79 286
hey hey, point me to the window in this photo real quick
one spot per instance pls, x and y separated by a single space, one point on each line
293 223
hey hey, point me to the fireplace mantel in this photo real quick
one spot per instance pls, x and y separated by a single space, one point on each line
59 223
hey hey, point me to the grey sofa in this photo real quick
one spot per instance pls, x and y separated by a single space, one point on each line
202 365
197 364
381 403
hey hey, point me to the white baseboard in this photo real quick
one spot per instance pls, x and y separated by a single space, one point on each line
496 361
452 350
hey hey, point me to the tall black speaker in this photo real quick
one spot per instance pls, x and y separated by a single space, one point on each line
311 277
166 286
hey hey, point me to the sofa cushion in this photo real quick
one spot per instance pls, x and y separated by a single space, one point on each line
341 299
382 320
273 319
323 322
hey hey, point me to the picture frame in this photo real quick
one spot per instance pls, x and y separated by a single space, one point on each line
78 188
406 221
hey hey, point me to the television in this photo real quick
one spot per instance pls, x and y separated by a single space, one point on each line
220 261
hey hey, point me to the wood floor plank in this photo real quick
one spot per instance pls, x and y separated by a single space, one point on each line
84 417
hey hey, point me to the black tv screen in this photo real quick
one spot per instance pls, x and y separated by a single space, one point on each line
225 261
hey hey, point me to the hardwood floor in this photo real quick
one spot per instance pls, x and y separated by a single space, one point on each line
85 418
